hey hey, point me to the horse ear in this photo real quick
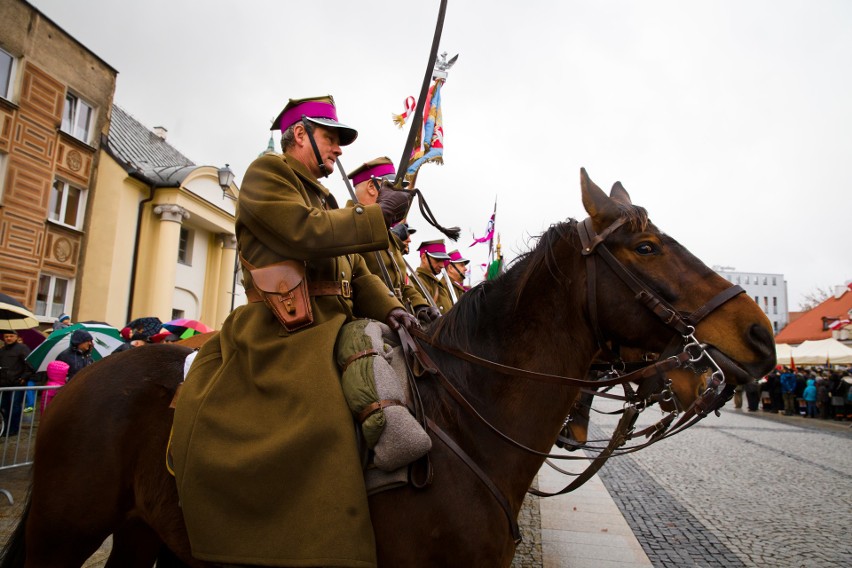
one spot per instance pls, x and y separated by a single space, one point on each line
599 207
618 193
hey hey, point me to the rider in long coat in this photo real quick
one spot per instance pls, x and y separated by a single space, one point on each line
433 254
263 443
457 270
366 180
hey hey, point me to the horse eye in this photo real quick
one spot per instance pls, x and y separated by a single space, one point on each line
646 248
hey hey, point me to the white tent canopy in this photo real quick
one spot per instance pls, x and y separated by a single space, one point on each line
782 353
821 352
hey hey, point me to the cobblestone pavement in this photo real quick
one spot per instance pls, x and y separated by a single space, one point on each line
743 489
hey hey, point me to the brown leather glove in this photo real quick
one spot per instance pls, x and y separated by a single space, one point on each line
394 203
398 317
427 314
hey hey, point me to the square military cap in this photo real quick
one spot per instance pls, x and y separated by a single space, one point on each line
318 110
435 249
456 257
378 168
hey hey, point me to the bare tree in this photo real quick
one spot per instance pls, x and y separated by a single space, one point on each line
814 298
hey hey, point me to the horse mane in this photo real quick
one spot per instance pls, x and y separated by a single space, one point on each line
503 295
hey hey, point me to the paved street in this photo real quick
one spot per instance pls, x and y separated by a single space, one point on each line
744 489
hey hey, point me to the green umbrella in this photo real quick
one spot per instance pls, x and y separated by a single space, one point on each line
105 340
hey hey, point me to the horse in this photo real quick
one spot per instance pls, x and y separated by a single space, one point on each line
99 464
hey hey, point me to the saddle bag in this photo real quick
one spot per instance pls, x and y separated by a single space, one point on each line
284 290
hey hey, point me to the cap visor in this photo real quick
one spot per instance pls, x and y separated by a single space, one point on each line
438 255
346 133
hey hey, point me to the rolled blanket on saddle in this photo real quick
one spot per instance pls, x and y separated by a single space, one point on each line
376 388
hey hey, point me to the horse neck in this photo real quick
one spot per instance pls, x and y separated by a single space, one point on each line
532 318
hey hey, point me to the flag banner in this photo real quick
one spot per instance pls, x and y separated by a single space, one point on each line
429 144
495 269
489 233
400 119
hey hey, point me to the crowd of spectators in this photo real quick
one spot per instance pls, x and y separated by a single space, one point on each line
813 392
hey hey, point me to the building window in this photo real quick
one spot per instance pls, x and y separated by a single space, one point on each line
7 73
775 327
774 304
67 204
53 296
738 280
185 246
764 280
177 314
748 279
77 118
774 283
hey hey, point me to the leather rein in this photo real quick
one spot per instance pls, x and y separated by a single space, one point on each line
687 353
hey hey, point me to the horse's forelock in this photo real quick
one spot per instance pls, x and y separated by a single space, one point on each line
637 217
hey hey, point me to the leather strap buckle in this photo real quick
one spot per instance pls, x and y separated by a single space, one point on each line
346 289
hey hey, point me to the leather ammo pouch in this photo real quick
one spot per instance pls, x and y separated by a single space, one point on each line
284 290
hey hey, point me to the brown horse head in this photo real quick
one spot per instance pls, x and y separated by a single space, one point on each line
737 333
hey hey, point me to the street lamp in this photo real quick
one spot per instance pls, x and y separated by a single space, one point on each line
226 177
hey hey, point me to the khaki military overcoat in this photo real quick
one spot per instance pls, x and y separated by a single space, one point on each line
263 442
395 266
436 289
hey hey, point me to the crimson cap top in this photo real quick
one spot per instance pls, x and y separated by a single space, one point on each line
319 110
378 168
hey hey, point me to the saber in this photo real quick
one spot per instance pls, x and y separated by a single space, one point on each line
385 275
416 123
420 285
449 283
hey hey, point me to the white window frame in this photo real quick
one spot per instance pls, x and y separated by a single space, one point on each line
70 119
81 204
12 70
42 309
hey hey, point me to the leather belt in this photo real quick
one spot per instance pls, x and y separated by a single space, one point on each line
322 288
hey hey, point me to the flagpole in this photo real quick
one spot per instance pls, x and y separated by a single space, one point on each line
417 122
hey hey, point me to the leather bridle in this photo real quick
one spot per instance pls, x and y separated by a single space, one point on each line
684 351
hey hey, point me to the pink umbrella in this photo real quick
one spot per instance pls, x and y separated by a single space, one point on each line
185 328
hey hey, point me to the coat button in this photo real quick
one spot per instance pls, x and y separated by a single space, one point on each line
359 210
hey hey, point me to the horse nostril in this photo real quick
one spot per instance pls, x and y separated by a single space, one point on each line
761 339
763 343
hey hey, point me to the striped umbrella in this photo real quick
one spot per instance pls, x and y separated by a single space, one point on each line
105 340
14 315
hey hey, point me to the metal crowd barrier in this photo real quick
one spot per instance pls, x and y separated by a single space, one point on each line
18 427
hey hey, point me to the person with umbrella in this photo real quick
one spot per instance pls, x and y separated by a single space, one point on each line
78 355
14 372
103 340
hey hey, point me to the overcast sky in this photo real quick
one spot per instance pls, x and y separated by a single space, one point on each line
730 121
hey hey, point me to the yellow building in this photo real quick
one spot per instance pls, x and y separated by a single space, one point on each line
162 239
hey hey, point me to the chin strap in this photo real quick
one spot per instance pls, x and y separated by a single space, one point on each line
324 171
